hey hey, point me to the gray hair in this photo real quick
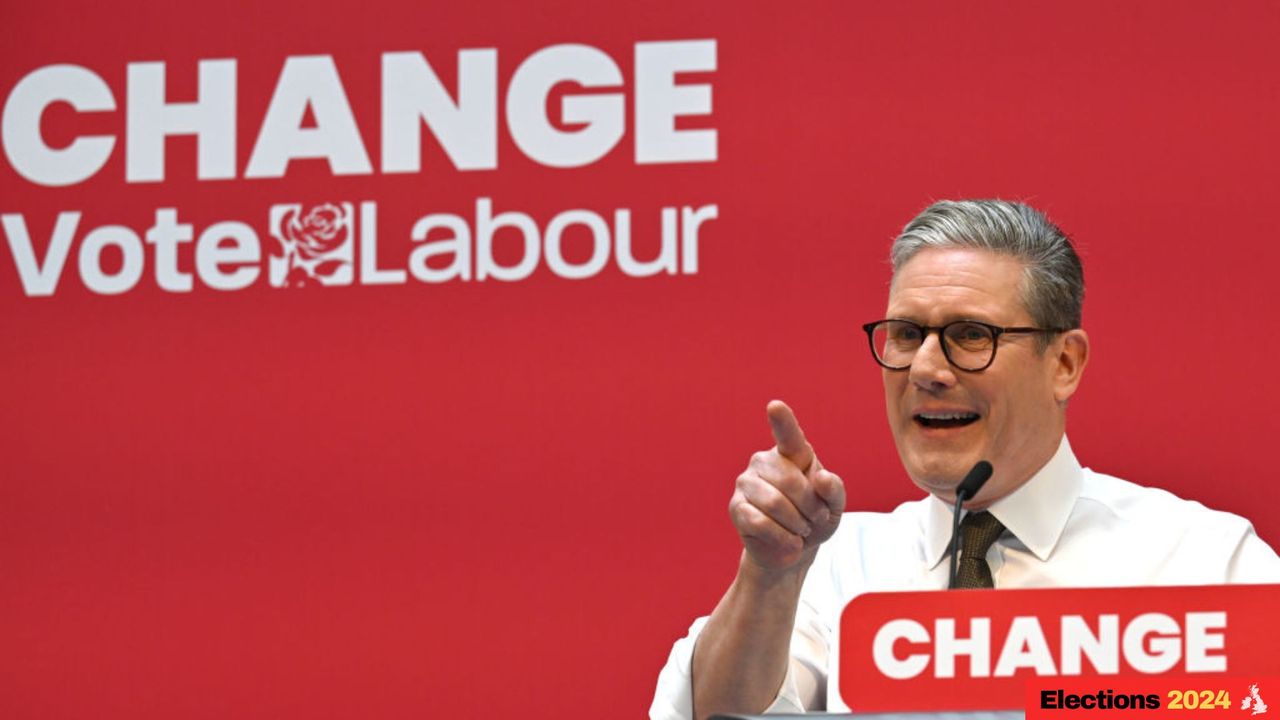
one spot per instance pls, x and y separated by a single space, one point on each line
1053 278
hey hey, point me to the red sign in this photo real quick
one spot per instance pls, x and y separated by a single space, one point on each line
978 649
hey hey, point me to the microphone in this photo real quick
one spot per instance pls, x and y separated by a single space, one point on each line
973 482
969 487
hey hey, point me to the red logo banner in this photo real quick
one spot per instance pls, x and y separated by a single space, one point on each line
994 649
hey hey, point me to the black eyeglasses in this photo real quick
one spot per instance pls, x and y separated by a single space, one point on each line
968 345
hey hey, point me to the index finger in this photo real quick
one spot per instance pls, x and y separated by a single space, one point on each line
788 435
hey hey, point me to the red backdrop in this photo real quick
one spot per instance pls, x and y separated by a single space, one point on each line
487 498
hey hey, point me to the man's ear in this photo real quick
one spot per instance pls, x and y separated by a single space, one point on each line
1071 350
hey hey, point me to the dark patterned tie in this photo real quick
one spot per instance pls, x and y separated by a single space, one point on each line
977 531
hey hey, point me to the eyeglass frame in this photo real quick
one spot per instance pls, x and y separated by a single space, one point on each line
927 330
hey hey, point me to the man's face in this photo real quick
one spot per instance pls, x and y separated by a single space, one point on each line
1013 411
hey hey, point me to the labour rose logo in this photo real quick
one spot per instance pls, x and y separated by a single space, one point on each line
314 247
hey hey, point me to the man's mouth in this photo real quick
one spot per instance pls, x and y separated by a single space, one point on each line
945 419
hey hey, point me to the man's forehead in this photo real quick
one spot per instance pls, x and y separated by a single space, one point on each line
959 282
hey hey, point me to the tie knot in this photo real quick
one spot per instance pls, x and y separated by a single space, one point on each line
978 531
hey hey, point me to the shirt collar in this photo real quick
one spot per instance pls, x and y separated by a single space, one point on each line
1035 513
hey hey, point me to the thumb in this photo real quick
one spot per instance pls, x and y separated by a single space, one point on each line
788 435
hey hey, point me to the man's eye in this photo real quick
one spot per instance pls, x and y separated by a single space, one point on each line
970 334
905 334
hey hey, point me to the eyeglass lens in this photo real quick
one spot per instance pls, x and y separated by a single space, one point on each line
967 344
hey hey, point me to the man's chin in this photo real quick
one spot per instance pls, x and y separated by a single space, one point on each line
940 476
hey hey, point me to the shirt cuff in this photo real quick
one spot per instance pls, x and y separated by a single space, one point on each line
673 699
788 699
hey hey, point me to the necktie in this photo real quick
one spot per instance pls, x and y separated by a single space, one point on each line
977 531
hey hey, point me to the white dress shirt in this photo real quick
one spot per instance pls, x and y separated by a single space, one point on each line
1066 527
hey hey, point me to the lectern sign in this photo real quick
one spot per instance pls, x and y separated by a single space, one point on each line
977 649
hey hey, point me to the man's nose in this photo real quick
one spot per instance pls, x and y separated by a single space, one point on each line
929 368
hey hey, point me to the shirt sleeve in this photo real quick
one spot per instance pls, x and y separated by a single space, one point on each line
803 687
1253 561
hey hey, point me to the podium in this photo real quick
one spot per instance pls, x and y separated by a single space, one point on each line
956 715
1011 654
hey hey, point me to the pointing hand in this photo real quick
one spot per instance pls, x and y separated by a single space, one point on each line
785 504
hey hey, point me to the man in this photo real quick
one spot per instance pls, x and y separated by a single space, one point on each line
981 349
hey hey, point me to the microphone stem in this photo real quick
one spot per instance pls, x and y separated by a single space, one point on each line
955 539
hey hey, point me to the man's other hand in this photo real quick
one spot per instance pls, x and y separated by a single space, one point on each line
785 504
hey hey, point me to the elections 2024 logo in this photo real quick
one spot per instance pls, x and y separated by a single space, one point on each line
316 246
1199 696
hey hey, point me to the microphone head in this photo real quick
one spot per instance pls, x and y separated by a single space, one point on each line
974 481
